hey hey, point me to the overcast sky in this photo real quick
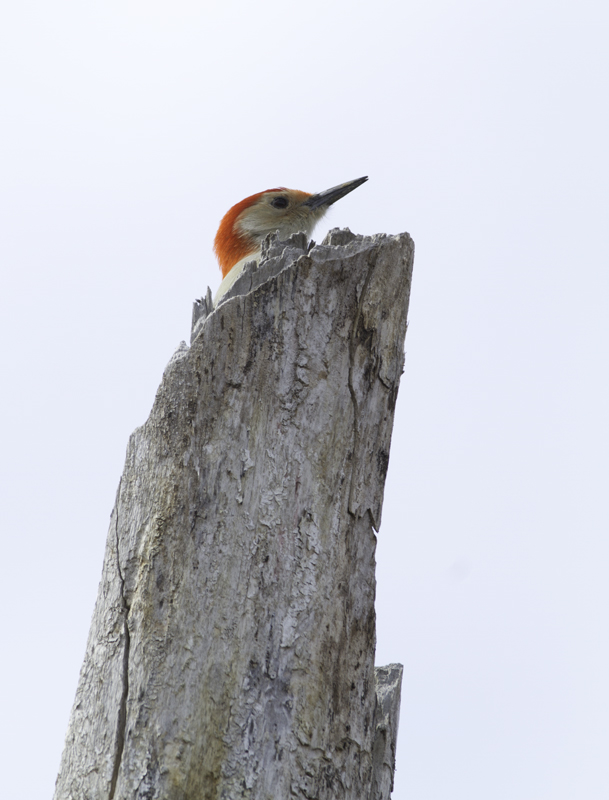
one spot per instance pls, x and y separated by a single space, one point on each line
128 129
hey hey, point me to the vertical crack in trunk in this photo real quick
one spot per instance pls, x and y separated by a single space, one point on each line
121 723
352 347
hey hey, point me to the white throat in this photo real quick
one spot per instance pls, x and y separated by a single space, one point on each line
232 276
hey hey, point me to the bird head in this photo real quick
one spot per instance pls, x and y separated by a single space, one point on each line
287 211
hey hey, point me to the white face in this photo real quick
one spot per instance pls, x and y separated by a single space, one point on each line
281 211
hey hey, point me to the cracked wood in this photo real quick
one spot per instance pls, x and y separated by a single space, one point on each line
231 652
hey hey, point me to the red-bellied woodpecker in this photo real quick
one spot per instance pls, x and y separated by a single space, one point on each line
287 211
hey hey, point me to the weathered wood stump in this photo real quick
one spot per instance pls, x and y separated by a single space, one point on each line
231 652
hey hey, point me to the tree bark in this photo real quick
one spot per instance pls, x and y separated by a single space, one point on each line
231 651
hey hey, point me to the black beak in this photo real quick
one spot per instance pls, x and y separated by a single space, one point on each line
332 195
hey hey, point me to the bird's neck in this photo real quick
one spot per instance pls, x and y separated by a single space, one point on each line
231 276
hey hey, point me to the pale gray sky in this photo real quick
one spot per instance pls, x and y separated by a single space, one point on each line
128 129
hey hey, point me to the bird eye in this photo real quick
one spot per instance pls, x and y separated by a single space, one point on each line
279 202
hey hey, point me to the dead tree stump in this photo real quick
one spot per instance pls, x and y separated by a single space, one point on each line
231 652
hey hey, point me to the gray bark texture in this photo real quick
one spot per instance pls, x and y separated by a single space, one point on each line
231 651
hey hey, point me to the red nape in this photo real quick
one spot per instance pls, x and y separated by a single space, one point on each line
229 246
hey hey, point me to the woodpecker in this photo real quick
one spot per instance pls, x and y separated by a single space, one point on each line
286 211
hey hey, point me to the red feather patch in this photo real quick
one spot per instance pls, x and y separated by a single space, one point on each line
229 246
